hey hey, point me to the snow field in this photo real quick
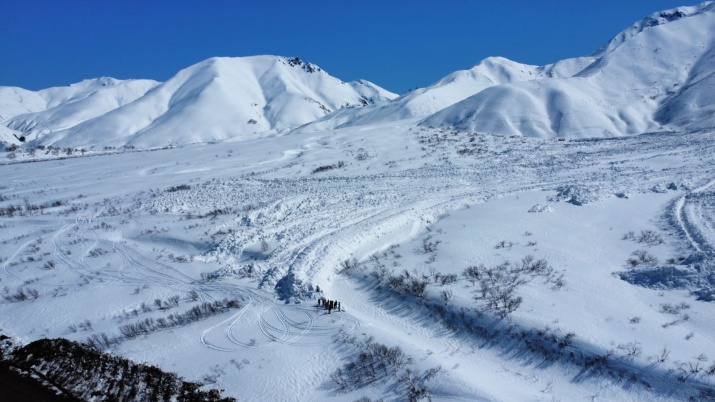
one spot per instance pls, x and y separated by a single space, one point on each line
155 225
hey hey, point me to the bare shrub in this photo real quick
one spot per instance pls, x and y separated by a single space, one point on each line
662 356
710 370
673 309
497 285
647 237
194 314
380 273
448 279
408 284
630 235
325 168
429 246
174 301
193 295
414 381
632 349
473 273
33 293
503 244
446 295
377 363
180 187
642 257
650 238
349 264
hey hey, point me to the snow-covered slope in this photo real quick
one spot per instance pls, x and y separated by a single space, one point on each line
449 90
15 101
61 108
654 73
216 99
453 88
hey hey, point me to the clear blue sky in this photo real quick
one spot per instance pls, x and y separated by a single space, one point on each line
396 44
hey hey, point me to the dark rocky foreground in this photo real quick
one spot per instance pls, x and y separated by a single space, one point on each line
20 387
84 373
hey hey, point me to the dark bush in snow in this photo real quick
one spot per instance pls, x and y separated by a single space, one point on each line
194 314
325 168
178 188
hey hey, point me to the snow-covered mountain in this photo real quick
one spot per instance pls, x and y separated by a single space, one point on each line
32 114
457 86
216 99
656 73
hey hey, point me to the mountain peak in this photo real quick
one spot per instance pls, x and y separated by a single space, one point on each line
101 81
307 67
655 75
653 20
214 99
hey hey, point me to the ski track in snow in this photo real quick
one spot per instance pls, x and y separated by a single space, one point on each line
694 228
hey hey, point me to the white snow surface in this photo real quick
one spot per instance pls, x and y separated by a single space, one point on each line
267 221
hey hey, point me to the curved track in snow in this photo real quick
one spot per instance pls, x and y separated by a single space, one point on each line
695 213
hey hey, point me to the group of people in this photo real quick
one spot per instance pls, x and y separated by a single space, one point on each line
329 304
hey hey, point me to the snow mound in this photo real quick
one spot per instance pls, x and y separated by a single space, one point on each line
539 208
576 195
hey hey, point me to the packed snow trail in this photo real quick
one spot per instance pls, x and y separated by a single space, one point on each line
699 242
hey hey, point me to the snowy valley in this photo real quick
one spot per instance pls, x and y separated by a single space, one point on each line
510 232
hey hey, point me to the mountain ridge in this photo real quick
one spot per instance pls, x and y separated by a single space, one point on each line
653 75
216 99
627 90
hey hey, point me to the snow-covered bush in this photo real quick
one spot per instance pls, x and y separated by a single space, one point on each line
573 194
642 257
539 208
